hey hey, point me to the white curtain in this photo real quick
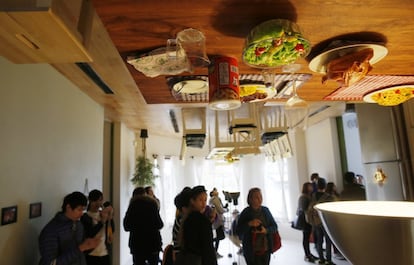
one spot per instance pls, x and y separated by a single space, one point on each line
251 171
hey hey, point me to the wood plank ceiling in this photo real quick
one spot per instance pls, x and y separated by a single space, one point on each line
141 26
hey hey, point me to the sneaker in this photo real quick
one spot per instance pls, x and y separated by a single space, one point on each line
309 259
321 261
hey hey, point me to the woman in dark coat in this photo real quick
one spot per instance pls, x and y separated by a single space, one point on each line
303 203
256 219
196 233
143 221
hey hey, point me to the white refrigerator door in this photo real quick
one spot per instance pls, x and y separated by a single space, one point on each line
377 132
391 189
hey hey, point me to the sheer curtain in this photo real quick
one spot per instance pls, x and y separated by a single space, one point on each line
251 171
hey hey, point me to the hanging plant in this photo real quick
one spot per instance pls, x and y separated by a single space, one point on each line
143 175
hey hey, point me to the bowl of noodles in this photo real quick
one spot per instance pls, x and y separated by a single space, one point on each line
390 96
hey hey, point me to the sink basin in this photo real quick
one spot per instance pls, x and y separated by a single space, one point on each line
371 232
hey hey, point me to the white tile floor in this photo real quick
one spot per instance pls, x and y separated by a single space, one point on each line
291 252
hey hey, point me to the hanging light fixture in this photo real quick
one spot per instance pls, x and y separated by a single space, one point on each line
144 136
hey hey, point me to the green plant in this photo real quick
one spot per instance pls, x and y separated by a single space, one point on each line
143 175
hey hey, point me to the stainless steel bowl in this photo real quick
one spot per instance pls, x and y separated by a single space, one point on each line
371 232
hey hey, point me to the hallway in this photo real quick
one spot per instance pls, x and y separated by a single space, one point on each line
291 252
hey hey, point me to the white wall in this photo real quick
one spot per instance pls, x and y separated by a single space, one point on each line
323 151
298 168
51 140
123 169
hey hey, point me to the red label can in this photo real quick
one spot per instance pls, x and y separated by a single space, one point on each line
223 81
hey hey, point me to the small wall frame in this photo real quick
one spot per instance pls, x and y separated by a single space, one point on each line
8 215
35 210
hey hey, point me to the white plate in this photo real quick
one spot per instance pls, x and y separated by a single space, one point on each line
191 86
271 92
369 96
318 63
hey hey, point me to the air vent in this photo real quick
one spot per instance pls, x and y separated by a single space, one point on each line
87 69
174 121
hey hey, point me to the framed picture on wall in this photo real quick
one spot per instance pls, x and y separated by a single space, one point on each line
8 215
35 210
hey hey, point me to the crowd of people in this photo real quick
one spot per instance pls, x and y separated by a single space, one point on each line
319 191
82 232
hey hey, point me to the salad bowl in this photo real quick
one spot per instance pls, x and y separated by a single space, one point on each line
275 43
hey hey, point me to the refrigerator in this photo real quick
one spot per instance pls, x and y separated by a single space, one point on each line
384 151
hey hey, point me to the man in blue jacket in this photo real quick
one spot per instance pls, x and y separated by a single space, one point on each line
61 241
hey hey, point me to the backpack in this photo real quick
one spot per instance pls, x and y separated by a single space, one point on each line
311 214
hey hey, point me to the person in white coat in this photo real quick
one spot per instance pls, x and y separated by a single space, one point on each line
218 224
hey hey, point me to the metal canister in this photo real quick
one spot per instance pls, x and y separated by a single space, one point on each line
223 80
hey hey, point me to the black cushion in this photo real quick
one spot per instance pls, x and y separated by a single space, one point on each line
195 140
241 126
270 136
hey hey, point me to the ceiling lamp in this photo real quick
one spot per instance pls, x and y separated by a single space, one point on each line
144 135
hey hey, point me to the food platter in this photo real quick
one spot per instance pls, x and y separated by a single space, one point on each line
318 63
390 96
255 92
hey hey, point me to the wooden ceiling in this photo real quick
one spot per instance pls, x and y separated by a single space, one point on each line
140 26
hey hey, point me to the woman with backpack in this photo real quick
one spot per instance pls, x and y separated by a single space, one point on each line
255 228
313 218
303 203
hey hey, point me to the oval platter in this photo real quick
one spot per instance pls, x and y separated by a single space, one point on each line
318 63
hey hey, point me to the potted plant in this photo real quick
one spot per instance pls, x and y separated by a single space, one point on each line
143 175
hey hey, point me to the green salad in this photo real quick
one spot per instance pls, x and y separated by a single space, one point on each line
275 43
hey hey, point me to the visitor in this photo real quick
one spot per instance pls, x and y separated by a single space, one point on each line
142 220
256 221
98 222
197 236
62 241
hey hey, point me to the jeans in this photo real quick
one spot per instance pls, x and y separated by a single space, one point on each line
320 235
307 230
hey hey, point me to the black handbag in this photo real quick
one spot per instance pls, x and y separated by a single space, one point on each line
187 258
299 221
220 233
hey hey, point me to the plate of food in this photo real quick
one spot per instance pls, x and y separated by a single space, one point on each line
390 96
255 92
191 86
320 62
275 43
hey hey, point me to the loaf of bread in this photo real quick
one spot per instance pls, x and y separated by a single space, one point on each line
350 68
